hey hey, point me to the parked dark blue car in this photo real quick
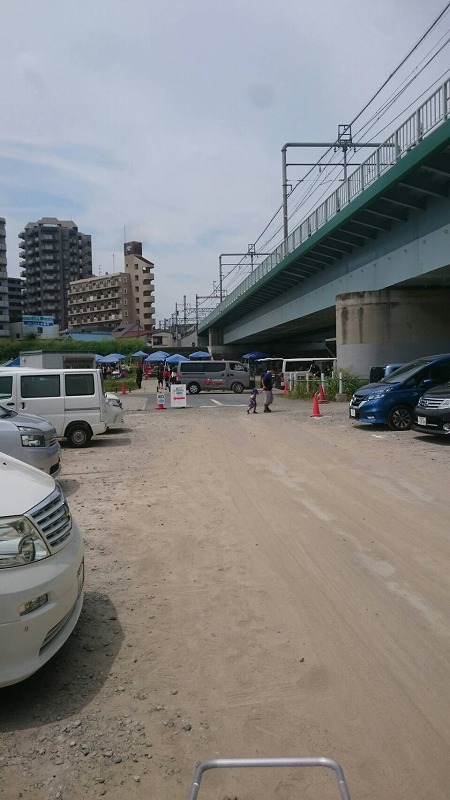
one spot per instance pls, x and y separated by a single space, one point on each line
391 401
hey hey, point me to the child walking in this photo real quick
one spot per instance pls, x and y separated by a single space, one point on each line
252 401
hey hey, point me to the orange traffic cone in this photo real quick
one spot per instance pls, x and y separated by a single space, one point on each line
286 388
123 389
322 395
315 407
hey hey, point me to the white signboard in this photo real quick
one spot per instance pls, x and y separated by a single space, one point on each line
178 395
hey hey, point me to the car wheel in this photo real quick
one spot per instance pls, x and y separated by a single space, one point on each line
238 387
400 418
193 388
78 436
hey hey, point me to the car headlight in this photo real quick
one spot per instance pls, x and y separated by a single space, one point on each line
20 542
31 437
376 395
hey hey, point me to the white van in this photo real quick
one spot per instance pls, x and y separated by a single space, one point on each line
71 399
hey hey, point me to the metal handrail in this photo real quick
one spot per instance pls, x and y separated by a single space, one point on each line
433 112
231 763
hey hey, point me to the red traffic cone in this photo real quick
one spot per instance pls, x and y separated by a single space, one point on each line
315 407
286 388
123 389
322 395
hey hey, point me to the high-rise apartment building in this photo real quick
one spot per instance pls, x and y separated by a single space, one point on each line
142 281
117 299
53 253
4 315
16 299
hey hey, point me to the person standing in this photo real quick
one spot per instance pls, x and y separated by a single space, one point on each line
166 376
267 385
139 376
160 376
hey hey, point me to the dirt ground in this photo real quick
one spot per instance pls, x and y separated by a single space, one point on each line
255 585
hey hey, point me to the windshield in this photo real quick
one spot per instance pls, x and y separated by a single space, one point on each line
403 373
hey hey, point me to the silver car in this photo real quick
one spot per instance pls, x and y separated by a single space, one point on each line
30 439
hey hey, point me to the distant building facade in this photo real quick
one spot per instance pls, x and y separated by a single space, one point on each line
118 300
103 303
142 279
4 315
53 253
16 299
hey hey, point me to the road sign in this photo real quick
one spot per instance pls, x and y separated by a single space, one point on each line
178 395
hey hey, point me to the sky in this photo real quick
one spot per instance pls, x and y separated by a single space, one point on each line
162 121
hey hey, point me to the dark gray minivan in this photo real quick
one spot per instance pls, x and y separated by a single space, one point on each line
211 375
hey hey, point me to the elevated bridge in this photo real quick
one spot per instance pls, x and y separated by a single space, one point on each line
370 266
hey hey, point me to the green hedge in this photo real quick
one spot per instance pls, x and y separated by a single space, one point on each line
12 348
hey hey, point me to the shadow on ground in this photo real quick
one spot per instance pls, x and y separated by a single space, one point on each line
72 678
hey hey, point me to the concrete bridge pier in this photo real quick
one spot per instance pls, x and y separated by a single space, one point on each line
392 325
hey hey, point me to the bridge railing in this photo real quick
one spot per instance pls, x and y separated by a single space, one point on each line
433 112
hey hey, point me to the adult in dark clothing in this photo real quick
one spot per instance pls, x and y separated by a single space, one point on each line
314 369
267 385
139 376
160 376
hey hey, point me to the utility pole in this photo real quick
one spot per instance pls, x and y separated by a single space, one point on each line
250 252
343 142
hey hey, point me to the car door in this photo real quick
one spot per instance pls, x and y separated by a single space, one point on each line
40 394
215 374
8 390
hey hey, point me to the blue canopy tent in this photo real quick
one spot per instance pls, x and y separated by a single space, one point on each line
175 358
200 355
98 358
13 362
255 355
160 355
139 354
113 358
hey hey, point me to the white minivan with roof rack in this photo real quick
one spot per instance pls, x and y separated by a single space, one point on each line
41 570
72 400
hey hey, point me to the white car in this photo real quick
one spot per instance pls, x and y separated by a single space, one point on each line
41 570
114 410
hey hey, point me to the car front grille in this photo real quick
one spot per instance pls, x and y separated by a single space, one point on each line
356 400
52 517
430 402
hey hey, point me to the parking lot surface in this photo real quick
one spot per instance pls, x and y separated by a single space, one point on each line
255 585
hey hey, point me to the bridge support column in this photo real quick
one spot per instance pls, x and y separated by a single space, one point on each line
215 340
392 325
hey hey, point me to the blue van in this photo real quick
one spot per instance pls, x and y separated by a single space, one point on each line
391 401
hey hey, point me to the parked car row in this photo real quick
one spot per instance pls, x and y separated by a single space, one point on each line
416 395
41 548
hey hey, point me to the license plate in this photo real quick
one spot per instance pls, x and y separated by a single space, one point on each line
353 412
80 577
422 421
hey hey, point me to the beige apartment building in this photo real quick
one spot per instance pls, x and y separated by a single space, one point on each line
116 299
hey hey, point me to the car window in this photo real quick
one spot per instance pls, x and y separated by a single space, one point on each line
77 385
5 386
214 366
39 386
185 366
406 372
236 366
